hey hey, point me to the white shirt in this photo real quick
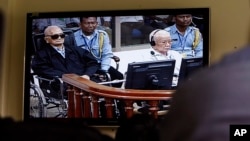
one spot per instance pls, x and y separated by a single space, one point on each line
147 56
60 50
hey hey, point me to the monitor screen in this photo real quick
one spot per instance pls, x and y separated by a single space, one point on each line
188 67
127 38
153 75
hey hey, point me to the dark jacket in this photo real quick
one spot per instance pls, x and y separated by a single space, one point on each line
48 62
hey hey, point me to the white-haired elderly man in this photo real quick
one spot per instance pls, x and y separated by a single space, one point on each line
160 41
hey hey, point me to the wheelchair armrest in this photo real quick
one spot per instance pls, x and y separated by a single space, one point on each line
49 79
44 78
116 58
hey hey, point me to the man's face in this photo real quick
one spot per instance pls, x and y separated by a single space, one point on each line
163 43
183 19
55 37
88 25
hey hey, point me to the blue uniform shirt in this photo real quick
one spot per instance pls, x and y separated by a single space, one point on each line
92 44
184 43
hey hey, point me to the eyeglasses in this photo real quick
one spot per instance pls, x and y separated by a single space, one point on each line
166 42
56 36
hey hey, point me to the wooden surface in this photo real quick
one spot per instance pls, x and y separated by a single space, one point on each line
80 89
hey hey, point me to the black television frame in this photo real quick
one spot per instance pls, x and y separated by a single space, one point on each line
150 75
204 11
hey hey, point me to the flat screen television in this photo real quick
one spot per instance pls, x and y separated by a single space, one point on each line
152 75
120 39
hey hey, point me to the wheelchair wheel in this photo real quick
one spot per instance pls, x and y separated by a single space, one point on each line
37 102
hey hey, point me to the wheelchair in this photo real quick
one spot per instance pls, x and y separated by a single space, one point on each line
37 102
48 95
46 102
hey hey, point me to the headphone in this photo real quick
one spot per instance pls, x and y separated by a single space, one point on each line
152 42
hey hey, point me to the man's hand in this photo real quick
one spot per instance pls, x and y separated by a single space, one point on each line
85 76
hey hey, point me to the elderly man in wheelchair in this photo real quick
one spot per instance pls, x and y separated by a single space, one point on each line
55 59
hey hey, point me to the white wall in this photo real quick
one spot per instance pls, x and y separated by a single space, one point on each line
130 56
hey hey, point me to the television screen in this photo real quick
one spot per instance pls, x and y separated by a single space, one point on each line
153 75
128 32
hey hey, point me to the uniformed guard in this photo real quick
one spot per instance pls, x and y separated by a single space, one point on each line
98 43
186 39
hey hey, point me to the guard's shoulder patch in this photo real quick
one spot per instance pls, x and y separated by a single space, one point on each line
168 29
194 28
101 31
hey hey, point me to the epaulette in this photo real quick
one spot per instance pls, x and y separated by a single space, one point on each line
194 28
167 29
102 31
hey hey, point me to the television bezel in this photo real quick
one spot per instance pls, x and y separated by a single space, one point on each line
129 12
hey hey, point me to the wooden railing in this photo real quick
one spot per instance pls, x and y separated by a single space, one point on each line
83 96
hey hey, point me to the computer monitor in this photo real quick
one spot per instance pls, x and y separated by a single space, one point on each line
188 67
151 75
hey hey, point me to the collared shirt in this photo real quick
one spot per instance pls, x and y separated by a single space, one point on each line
158 56
184 43
92 45
60 50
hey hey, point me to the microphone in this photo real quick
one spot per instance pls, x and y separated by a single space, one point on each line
153 54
